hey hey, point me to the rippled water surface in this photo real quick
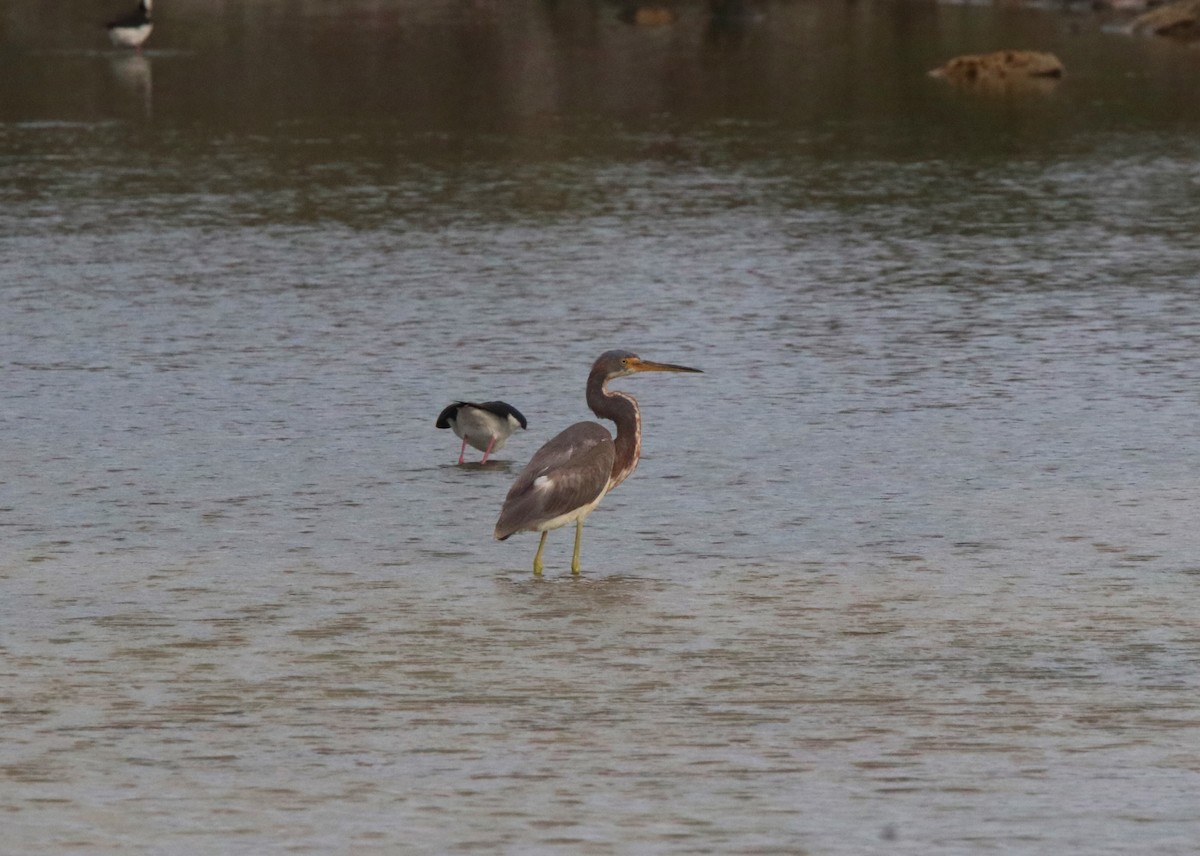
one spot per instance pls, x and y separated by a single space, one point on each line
911 568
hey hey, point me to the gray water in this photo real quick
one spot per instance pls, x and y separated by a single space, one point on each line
909 569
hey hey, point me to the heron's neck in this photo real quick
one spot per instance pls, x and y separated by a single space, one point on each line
621 408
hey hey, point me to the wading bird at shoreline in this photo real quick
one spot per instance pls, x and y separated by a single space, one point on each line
566 479
131 30
484 426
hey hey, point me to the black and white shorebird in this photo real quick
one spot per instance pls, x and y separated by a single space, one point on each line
485 426
567 478
130 31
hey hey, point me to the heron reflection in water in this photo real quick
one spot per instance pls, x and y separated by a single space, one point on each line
567 478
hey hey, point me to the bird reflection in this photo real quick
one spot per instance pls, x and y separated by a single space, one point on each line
132 73
728 21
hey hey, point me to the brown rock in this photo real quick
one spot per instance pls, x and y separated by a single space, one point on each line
648 16
1179 21
1001 67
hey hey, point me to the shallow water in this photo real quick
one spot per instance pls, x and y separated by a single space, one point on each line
909 568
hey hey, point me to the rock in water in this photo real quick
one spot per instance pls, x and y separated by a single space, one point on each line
1179 21
1001 68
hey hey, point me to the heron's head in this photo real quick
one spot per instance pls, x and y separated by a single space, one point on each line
612 364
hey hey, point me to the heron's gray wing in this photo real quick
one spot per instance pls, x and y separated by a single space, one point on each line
567 473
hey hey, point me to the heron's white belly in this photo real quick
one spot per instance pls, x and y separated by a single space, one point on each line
571 516
130 37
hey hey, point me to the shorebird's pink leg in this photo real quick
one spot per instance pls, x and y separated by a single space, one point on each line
491 443
462 451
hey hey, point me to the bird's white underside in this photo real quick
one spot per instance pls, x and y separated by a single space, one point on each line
478 427
129 37
547 483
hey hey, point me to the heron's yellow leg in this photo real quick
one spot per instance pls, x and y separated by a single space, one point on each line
578 541
537 557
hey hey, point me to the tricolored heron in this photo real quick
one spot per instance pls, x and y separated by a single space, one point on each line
129 31
485 426
569 475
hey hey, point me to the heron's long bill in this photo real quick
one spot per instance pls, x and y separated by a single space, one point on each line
650 366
